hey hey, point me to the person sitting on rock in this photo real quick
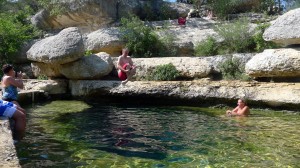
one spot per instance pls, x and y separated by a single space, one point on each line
182 20
125 66
241 110
10 82
8 109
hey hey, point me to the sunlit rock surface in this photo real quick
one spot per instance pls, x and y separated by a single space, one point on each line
285 30
67 46
283 62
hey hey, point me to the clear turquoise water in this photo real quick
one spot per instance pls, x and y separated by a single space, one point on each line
76 134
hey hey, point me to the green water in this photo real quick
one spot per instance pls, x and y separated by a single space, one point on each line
76 134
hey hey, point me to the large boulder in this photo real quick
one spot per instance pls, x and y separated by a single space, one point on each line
285 30
283 62
105 40
65 47
40 69
93 66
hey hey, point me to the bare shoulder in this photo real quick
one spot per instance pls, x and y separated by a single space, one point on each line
7 78
120 58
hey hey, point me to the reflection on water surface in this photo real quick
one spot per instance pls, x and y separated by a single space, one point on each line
75 134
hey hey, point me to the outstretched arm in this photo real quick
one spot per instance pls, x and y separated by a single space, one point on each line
15 82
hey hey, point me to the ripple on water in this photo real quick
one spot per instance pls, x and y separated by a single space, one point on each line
117 136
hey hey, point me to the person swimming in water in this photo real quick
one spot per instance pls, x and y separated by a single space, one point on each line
241 110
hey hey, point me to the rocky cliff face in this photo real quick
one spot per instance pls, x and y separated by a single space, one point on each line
89 15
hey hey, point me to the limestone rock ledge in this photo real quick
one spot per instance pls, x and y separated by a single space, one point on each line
270 94
8 155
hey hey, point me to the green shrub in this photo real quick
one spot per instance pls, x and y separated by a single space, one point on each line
260 43
142 41
167 47
232 69
207 48
88 53
139 39
167 72
237 36
42 77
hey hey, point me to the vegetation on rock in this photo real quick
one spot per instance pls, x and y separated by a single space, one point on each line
142 40
232 69
167 72
238 37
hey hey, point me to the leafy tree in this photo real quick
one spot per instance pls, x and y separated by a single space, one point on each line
208 47
15 27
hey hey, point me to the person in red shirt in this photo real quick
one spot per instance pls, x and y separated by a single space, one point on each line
181 20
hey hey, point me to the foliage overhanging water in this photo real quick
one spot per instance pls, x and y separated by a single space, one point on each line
75 134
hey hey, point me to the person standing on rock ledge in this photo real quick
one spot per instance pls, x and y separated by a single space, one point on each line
125 66
10 82
241 110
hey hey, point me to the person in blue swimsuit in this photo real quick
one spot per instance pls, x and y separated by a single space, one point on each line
10 82
8 109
